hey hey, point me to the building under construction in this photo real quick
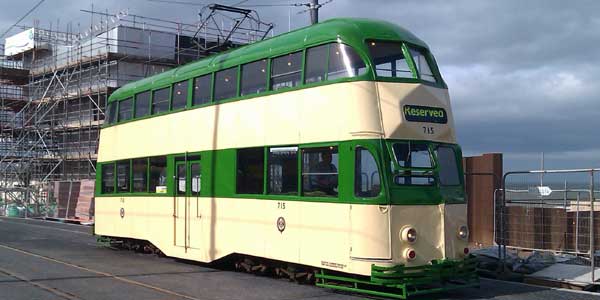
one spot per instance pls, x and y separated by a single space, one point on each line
54 85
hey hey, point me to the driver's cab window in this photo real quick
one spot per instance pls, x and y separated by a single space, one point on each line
416 161
367 181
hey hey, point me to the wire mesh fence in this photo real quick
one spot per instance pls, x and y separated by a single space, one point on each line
550 211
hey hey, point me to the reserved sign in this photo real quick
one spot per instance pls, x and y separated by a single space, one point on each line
415 113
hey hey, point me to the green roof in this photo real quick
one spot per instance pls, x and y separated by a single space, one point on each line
351 31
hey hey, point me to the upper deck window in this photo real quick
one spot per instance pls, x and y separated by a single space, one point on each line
126 109
160 101
202 86
286 70
226 84
422 65
142 104
344 62
254 77
316 63
112 112
180 92
389 60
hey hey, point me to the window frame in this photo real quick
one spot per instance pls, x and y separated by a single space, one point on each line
241 75
104 166
172 95
264 172
302 52
148 104
214 85
154 90
131 110
373 154
298 167
301 150
211 89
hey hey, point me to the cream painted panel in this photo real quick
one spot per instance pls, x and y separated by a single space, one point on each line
325 238
428 221
333 112
287 242
370 232
394 96
316 234
455 215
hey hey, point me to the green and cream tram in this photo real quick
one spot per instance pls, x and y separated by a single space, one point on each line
331 147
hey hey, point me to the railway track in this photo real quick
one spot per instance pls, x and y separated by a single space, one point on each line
68 296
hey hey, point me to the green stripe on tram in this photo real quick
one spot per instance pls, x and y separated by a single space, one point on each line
218 179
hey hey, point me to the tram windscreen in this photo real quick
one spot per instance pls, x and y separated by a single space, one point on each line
417 164
448 167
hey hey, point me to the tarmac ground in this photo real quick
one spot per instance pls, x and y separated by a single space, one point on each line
49 260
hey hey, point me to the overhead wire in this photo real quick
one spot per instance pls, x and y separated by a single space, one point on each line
22 18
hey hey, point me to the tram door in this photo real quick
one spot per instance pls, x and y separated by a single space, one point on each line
186 211
370 224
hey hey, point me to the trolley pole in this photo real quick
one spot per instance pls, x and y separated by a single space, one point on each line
314 11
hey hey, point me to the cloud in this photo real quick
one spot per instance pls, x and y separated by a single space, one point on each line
521 74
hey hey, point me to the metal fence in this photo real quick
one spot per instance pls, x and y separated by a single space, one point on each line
550 211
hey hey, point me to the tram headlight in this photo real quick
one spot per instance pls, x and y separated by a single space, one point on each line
463 232
409 234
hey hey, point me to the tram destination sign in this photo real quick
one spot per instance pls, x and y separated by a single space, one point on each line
427 114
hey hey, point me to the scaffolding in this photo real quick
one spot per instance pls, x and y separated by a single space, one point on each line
53 94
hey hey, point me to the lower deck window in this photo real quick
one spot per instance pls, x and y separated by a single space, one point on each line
320 172
108 179
250 171
140 175
158 175
366 177
123 168
283 170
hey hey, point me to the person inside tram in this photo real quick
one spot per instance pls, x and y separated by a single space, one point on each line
327 178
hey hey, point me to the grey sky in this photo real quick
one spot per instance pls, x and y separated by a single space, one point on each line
521 74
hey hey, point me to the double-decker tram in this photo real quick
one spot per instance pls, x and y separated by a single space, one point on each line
330 148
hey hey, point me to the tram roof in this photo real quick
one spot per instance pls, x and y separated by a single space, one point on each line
352 31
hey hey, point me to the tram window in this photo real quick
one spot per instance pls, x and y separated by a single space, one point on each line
158 175
250 171
112 112
448 168
283 171
422 65
181 179
412 155
160 101
226 84
389 60
316 63
344 62
320 172
196 176
254 77
142 104
180 92
140 175
366 177
108 178
202 86
286 70
125 109
123 168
